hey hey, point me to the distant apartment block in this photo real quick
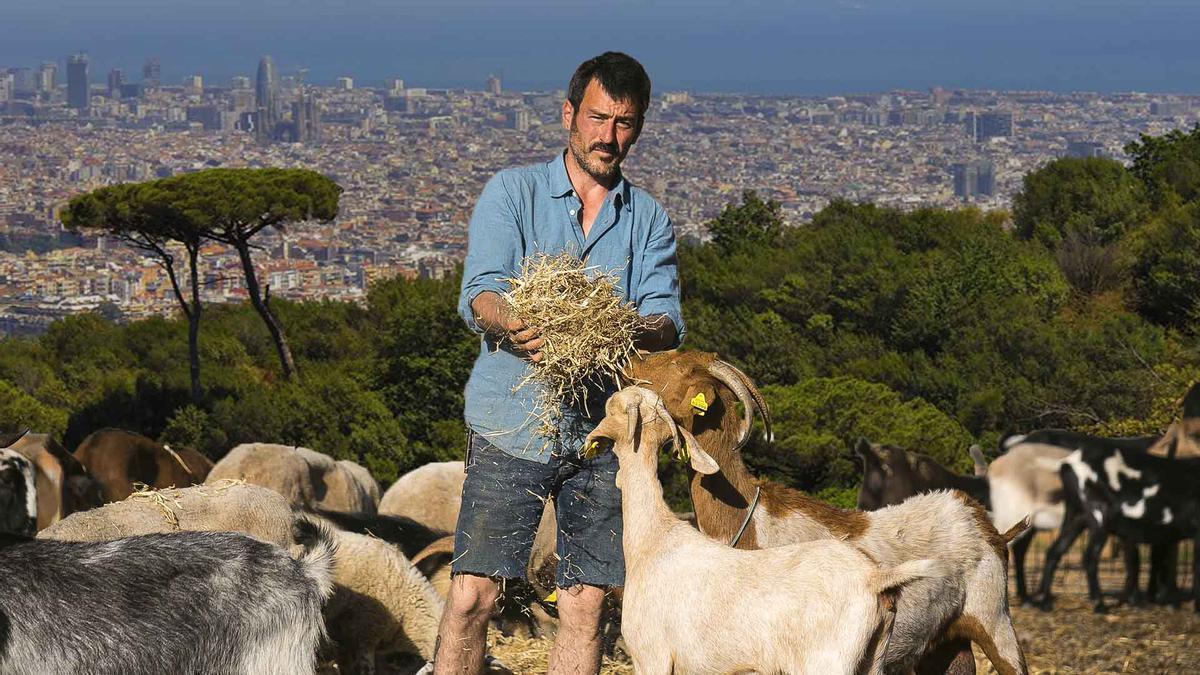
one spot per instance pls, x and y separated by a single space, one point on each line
972 179
1086 149
1170 108
986 125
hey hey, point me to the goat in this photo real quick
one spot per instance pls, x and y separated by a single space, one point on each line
308 478
187 602
1024 481
701 393
118 459
892 474
1138 497
429 494
18 494
63 486
817 607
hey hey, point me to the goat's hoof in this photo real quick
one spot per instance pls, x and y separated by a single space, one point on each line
1045 604
1137 599
1100 608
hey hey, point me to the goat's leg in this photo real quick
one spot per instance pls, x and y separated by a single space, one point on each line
1195 573
1133 560
1091 564
1071 528
1020 547
1164 561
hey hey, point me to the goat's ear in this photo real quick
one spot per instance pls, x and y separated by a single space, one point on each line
701 461
862 447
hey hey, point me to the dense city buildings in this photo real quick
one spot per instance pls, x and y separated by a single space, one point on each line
412 161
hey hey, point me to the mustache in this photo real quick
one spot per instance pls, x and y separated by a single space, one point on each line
609 148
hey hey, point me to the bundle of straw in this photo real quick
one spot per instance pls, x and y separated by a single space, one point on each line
587 327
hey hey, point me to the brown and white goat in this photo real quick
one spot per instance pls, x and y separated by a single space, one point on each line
693 605
970 603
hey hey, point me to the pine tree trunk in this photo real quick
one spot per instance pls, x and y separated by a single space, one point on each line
194 328
256 299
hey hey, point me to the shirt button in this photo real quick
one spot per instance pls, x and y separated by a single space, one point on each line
572 211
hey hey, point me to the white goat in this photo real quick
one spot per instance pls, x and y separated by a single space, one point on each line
693 605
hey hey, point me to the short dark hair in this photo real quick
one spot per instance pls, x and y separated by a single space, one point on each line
621 76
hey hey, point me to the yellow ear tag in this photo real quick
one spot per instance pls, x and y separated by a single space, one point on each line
700 404
590 451
553 597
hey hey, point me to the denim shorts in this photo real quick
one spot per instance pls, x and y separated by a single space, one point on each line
502 502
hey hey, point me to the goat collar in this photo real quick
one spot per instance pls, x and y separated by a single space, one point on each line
749 513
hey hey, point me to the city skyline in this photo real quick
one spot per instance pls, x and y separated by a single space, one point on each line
764 46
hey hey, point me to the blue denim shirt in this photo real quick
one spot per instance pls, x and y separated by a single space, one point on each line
530 210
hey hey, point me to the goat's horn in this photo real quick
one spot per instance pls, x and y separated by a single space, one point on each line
661 409
728 375
751 399
759 402
633 415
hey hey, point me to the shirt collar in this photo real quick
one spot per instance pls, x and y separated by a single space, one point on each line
560 183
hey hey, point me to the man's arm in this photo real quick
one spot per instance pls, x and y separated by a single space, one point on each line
494 315
657 295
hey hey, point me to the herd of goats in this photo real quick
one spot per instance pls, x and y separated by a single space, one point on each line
133 557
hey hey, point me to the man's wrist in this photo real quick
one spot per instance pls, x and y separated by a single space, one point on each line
655 333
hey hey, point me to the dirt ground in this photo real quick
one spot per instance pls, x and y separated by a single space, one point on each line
1074 639
1069 639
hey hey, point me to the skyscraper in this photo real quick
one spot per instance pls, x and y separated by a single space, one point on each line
6 87
116 78
982 126
494 85
266 90
47 75
151 72
974 178
77 81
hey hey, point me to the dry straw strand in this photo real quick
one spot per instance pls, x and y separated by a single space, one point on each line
587 326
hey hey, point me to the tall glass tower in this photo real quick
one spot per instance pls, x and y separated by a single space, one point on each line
267 97
77 81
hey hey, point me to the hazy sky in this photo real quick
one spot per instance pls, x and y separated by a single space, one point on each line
813 47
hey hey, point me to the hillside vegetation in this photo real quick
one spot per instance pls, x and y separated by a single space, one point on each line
930 329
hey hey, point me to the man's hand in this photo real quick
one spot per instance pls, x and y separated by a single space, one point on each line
495 316
655 333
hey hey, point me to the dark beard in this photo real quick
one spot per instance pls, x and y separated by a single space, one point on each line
600 172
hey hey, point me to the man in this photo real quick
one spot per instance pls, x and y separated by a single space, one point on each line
577 202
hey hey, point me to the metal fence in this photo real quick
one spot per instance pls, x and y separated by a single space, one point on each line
1070 577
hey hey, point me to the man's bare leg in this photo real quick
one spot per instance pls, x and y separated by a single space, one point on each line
577 646
462 634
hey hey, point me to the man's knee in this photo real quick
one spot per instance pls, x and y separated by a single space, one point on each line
581 608
472 598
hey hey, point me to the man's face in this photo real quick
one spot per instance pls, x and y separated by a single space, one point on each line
602 131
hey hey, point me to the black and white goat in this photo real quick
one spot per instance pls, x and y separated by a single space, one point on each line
1024 481
186 602
18 494
1138 497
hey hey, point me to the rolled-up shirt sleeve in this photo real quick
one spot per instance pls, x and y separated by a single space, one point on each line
658 288
493 248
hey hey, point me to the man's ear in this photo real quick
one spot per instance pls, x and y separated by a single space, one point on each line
701 461
568 114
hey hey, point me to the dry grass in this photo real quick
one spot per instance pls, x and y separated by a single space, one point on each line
167 499
1073 639
587 327
532 655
